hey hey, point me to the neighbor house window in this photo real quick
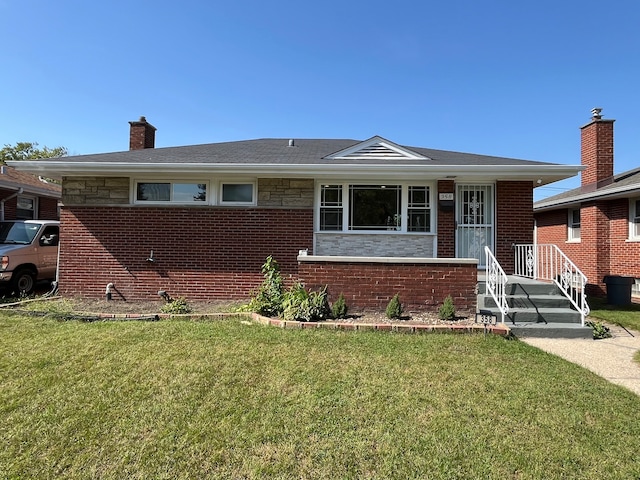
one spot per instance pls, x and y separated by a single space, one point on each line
635 288
25 208
634 219
172 192
237 193
353 207
574 225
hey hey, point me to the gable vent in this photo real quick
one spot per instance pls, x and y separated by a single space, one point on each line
376 150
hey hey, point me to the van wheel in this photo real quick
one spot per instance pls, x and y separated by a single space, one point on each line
23 281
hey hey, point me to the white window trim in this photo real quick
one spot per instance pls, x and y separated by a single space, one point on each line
404 202
254 196
571 229
632 220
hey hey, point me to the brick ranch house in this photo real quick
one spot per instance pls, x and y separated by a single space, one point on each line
374 218
27 197
597 224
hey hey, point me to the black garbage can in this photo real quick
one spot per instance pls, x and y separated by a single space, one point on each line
618 289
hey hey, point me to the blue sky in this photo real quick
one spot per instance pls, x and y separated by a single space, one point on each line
495 77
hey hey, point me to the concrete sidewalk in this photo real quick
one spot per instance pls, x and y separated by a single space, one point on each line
611 358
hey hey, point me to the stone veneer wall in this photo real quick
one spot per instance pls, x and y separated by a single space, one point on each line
95 190
285 192
372 245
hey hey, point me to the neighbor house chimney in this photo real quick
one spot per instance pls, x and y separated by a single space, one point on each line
596 151
141 135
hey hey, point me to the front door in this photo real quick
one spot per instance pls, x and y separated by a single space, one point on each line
474 221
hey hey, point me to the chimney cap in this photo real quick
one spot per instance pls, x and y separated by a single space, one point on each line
596 113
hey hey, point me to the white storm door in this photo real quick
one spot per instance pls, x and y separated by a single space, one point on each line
474 221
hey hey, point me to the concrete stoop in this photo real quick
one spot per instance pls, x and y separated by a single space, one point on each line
536 309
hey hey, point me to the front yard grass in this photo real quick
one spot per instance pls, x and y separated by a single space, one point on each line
627 316
227 399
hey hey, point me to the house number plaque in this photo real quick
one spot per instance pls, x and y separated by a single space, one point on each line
445 196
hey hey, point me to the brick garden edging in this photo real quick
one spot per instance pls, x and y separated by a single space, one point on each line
499 329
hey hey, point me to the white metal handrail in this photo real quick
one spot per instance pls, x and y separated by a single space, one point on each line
548 262
496 282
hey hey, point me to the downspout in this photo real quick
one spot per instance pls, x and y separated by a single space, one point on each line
13 195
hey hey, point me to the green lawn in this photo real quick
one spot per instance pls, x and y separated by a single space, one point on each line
224 399
627 316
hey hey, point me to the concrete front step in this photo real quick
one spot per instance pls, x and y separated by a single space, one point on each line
531 301
543 315
551 330
525 287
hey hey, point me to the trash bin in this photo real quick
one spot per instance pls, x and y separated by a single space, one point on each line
618 289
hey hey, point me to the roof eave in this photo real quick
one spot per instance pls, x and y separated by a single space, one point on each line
546 173
609 194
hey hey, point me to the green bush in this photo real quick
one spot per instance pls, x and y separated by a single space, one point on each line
447 310
600 330
307 306
268 299
394 308
176 306
339 308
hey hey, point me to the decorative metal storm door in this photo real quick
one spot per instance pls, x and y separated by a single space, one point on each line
474 221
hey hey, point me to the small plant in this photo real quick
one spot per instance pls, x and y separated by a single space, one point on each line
394 308
269 297
307 306
339 308
447 310
176 306
600 330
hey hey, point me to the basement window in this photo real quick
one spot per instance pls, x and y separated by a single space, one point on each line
573 224
171 192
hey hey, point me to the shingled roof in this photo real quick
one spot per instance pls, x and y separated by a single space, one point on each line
14 179
622 185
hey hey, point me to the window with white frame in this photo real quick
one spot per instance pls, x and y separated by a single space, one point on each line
635 288
237 193
171 192
375 207
573 231
25 208
634 219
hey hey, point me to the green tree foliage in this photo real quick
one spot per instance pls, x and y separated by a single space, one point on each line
29 151
394 308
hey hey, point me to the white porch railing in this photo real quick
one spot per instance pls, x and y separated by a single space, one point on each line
548 262
496 282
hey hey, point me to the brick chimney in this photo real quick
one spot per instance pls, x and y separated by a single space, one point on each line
596 151
141 135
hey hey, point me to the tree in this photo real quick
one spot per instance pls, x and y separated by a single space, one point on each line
29 151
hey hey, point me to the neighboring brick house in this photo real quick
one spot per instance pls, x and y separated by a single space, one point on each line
597 224
24 196
375 218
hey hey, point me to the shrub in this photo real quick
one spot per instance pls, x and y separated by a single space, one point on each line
303 305
600 330
268 299
447 310
394 308
339 308
176 306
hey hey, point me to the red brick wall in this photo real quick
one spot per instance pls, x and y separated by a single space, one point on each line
200 253
603 248
597 151
421 286
446 223
514 220
48 208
